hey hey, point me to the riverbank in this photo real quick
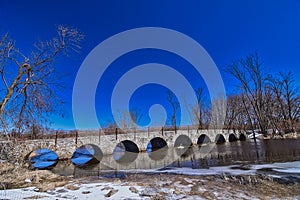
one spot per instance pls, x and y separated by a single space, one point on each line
293 135
229 182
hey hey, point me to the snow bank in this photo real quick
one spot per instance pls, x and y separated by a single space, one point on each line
78 191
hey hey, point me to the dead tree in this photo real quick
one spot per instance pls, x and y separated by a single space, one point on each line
249 72
135 116
286 93
218 113
198 110
29 82
234 113
175 105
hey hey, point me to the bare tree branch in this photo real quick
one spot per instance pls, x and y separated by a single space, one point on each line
28 96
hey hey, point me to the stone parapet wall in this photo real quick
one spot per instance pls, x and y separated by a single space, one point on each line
65 147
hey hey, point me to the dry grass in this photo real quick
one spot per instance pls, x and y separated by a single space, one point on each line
159 186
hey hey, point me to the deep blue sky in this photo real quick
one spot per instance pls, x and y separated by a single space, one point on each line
228 30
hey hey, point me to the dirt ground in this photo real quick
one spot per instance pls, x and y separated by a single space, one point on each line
219 187
159 186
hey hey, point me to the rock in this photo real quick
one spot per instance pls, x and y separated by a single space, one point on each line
117 182
208 195
133 190
86 192
107 188
194 190
27 180
72 187
178 191
61 183
111 193
184 182
156 197
46 187
36 197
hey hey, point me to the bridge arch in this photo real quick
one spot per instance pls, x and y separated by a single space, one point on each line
157 148
42 158
26 150
203 139
183 140
183 145
130 146
232 138
242 137
157 143
125 152
219 139
87 154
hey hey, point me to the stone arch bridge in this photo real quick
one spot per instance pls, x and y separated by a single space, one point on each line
65 147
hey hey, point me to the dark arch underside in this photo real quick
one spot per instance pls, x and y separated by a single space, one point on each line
220 139
158 143
232 138
203 139
242 137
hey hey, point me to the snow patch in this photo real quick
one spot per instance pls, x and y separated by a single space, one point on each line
85 191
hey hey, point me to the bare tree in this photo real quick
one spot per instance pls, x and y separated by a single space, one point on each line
128 120
200 112
286 93
249 72
136 116
291 98
218 112
109 127
123 120
234 112
29 82
175 105
272 108
268 101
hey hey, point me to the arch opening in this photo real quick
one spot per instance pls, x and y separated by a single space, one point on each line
232 138
156 144
42 158
242 137
183 141
125 152
182 144
203 139
88 154
220 139
157 148
130 146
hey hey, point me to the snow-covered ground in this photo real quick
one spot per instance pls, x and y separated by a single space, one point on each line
75 191
286 167
239 169
182 188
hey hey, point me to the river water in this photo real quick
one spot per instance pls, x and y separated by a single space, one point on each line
195 157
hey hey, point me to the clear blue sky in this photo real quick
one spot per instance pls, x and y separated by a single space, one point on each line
228 30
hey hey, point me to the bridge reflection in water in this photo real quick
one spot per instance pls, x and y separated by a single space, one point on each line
264 151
